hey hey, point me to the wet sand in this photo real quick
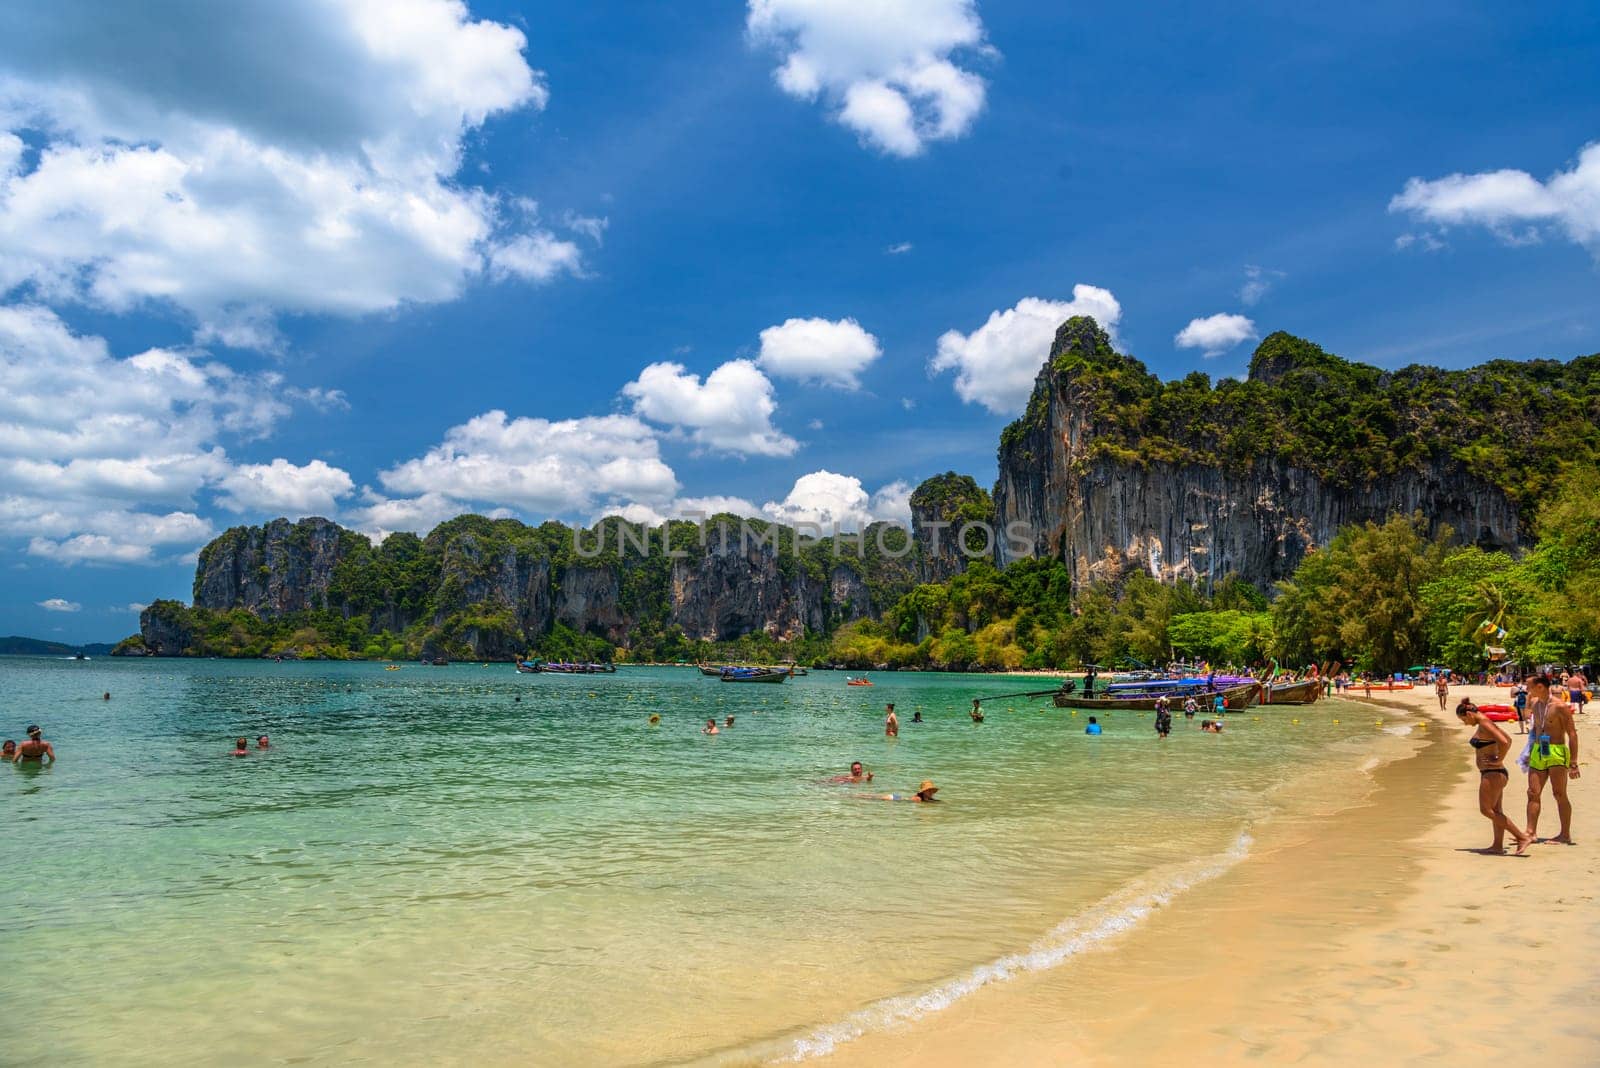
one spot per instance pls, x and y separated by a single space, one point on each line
1367 925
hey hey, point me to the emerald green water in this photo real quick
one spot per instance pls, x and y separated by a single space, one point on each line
425 868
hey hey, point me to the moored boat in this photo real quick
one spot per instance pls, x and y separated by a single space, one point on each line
1293 693
1234 698
547 667
753 675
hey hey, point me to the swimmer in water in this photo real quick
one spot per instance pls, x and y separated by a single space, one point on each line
916 715
35 748
9 751
728 722
977 711
891 722
710 727
263 742
655 719
924 794
857 774
241 747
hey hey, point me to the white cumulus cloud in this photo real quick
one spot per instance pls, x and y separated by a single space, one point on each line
535 466
1513 204
731 411
1215 334
286 488
997 363
105 459
59 604
832 500
821 350
235 161
883 67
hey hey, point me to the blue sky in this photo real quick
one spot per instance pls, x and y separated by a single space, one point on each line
788 257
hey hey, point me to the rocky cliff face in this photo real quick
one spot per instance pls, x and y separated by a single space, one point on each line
273 569
941 509
1105 511
491 588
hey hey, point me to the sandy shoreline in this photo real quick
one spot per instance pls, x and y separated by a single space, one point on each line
1374 932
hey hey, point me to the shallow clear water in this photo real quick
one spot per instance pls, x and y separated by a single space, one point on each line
425 868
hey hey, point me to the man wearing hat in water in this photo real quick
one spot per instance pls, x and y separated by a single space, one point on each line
36 748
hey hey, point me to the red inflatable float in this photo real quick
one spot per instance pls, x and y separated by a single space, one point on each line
1498 713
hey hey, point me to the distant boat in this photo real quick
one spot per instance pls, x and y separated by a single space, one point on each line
547 667
753 675
858 682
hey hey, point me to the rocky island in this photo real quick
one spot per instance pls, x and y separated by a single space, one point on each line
1110 471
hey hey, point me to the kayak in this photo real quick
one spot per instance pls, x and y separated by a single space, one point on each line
1498 713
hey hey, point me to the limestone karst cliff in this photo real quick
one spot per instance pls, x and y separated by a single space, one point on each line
1112 469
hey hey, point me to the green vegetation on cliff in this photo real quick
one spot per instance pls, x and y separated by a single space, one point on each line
1516 424
1380 597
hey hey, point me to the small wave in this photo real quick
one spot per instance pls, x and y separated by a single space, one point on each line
1400 731
1112 916
1371 763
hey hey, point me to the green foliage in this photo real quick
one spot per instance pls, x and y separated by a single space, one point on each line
1360 599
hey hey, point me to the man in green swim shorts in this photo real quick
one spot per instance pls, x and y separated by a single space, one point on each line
1553 757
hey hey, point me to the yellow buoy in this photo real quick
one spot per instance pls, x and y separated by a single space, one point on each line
1294 721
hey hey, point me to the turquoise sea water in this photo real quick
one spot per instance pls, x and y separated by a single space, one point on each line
425 869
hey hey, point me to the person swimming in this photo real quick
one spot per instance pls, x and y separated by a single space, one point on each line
655 719
263 742
241 747
923 794
977 711
857 774
9 750
728 722
710 727
916 715
1093 727
35 748
891 722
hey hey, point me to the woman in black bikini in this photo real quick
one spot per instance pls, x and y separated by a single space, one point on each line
1490 745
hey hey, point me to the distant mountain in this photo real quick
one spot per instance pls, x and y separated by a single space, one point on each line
19 646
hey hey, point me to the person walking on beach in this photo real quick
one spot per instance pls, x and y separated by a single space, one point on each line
1576 687
1519 701
1490 745
1441 690
1552 756
891 722
35 748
